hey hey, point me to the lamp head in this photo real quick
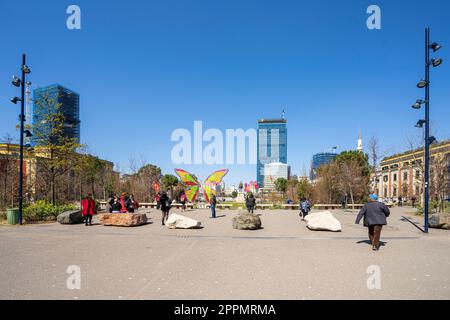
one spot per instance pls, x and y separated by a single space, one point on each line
436 62
15 100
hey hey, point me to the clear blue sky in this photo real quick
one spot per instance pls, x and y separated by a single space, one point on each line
145 68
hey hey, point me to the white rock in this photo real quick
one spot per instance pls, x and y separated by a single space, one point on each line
322 220
177 221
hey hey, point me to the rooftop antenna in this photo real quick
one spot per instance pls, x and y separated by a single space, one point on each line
283 114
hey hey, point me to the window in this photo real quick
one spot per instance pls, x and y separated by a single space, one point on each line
417 190
385 193
417 174
405 176
394 177
385 178
394 192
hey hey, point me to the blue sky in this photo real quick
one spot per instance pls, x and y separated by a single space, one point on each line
145 68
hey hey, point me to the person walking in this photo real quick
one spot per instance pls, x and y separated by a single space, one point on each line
165 203
305 207
183 199
132 204
158 200
400 201
413 201
116 206
374 214
88 209
250 203
213 204
125 202
109 203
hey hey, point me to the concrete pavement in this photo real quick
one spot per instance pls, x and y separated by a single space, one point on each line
284 260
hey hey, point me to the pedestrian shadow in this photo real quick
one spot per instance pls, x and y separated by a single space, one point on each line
221 216
382 243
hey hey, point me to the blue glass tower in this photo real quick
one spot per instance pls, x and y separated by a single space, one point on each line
320 159
69 104
272 144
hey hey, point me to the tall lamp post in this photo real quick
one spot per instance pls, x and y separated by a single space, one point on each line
21 83
428 140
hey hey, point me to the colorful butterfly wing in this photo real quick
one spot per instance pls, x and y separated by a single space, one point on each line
191 183
187 178
209 186
216 177
192 192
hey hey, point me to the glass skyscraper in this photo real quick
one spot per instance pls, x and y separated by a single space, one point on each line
320 159
272 145
69 103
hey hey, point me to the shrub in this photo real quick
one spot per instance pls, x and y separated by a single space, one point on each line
43 211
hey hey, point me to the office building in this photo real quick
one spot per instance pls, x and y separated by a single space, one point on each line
52 97
272 145
319 160
274 171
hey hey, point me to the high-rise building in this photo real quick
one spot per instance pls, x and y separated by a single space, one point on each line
320 159
68 102
272 145
274 171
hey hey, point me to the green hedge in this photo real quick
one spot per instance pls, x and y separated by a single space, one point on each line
44 211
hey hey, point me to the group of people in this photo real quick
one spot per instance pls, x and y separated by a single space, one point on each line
123 204
374 213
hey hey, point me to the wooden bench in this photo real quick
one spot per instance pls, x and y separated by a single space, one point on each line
264 206
224 206
292 206
327 206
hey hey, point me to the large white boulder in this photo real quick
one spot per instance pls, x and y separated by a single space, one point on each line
322 220
177 221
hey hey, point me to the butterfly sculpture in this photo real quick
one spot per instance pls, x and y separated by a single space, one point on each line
193 186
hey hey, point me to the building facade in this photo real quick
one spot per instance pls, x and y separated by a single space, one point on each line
68 101
402 174
271 146
274 171
318 160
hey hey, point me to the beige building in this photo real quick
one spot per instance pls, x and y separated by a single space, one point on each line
402 174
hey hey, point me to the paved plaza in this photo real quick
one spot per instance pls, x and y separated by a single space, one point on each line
284 260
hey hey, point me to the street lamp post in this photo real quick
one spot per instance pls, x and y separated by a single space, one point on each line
428 140
427 125
22 83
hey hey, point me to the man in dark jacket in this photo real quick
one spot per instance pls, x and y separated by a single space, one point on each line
166 204
374 214
250 202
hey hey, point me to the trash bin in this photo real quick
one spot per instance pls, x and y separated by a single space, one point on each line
12 215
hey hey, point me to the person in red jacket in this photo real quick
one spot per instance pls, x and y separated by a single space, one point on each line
88 209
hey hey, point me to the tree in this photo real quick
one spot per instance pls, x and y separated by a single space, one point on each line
291 189
169 181
9 174
234 194
281 185
56 150
304 189
374 154
440 179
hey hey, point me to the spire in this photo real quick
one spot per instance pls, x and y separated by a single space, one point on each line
283 114
360 143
